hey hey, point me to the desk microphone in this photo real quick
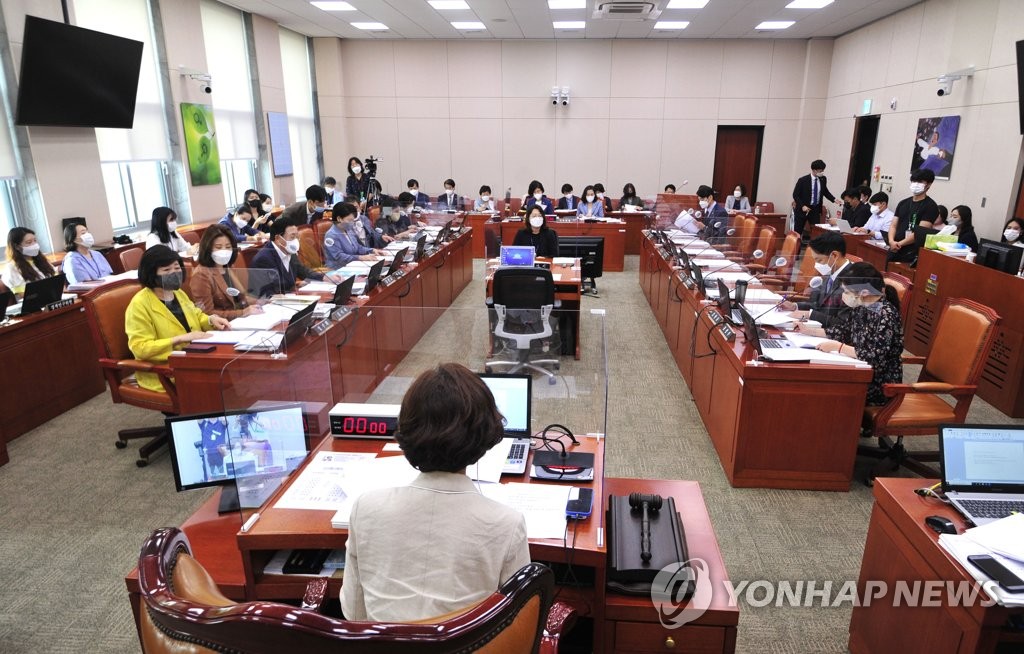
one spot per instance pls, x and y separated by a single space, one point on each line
645 502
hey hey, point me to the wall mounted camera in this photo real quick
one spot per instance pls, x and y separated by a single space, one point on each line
555 92
204 80
946 80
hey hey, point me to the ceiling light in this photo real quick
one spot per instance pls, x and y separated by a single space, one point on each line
467 25
671 24
567 4
775 25
442 5
369 26
809 4
333 6
569 24
686 4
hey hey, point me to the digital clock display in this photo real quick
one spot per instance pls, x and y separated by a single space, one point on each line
364 426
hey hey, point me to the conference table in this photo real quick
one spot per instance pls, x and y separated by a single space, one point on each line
237 559
773 425
613 232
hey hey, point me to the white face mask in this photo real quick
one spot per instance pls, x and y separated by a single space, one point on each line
1011 234
704 204
356 170
536 221
850 300
240 222
171 225
87 239
875 209
916 188
485 198
823 268
329 189
600 195
590 198
737 194
221 257
30 250
567 195
955 222
414 191
538 196
268 207
292 246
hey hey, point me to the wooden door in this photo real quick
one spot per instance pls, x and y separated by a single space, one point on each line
737 160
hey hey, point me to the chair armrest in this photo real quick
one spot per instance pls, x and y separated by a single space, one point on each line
755 268
316 590
913 359
136 365
561 618
936 388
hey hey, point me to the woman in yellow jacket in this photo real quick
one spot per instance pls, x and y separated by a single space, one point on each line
161 318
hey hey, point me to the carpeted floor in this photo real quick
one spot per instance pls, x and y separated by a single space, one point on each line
74 511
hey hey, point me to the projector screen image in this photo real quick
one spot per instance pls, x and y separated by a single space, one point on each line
215 449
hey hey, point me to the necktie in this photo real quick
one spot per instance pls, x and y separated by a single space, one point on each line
814 191
828 285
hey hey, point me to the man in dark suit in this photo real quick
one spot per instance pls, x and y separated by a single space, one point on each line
305 213
449 200
568 201
421 200
826 301
714 219
278 257
807 195
855 212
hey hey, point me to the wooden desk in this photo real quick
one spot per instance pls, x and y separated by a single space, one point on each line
765 429
348 361
900 548
614 237
941 276
59 343
636 223
859 245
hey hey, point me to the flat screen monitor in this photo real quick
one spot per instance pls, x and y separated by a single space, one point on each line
1001 256
75 77
512 396
245 451
517 255
589 250
42 292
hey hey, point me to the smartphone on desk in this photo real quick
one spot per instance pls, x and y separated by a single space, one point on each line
999 573
200 349
581 501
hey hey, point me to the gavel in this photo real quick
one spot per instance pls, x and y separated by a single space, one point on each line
645 502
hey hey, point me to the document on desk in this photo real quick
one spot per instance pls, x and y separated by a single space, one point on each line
1004 537
562 261
317 287
775 318
319 487
803 340
490 465
961 546
729 276
543 505
226 338
367 475
761 296
272 315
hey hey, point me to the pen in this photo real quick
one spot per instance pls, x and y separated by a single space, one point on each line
250 522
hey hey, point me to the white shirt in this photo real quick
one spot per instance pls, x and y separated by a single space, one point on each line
177 243
12 278
286 257
879 223
430 548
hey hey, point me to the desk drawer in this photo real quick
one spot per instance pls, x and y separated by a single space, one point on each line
650 637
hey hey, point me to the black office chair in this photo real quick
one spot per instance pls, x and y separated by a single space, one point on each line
523 299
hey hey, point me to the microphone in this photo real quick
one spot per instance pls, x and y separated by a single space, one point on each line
646 503
772 308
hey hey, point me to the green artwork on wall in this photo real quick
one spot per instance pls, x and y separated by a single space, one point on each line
201 143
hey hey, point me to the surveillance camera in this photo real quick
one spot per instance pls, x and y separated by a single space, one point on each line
554 102
206 88
565 102
945 87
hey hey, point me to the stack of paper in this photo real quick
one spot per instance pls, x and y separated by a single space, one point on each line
371 474
318 287
543 505
260 341
1003 540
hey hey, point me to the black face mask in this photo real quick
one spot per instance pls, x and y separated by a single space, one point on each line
254 204
170 281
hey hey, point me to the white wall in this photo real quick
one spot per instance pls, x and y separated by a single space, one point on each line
642 111
901 57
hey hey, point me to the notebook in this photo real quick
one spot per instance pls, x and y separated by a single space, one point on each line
514 400
517 255
983 470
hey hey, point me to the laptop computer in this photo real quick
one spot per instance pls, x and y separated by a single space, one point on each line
725 304
780 349
421 247
514 399
373 277
397 262
343 292
517 255
6 298
844 226
297 327
983 470
42 292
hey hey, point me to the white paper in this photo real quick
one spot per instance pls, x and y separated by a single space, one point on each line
775 318
556 277
260 340
729 276
490 465
716 264
318 287
803 340
761 296
1004 537
543 505
227 337
318 487
261 321
960 546
563 261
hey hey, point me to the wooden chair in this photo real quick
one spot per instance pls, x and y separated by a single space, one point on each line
182 611
959 349
782 277
904 287
320 228
740 245
192 237
131 256
763 247
190 267
104 309
309 251
766 207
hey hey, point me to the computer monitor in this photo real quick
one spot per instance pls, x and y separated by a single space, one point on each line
245 451
373 277
517 255
921 235
343 292
397 262
513 397
698 276
751 334
590 251
1001 256
724 302
42 292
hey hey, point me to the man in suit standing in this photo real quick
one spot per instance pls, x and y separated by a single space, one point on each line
279 256
305 213
826 301
807 195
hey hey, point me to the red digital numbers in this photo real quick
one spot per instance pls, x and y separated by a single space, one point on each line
364 426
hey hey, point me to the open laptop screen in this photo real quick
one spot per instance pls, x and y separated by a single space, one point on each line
986 458
512 395
517 255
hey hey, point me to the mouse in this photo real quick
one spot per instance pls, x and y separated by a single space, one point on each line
940 524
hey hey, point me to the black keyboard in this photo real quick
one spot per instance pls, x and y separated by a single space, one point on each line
992 508
517 452
770 343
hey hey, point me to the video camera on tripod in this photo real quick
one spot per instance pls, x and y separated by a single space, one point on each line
370 167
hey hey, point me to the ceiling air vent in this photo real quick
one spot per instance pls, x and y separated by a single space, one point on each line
626 10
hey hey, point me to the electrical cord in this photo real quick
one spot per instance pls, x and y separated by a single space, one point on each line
929 491
693 337
547 442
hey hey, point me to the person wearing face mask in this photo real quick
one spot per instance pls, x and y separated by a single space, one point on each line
713 222
241 223
607 202
591 206
25 260
398 224
81 264
160 318
420 200
918 210
334 194
162 231
484 203
215 288
449 200
868 328
807 197
308 212
630 198
280 256
1012 232
880 217
738 200
537 233
568 201
341 247
825 301
962 224
358 182
535 196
